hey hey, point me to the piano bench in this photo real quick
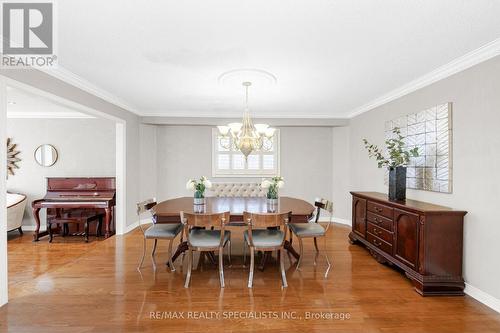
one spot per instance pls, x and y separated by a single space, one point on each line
77 217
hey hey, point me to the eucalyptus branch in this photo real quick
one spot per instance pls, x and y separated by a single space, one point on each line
397 153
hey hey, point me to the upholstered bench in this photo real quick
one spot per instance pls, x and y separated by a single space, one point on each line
237 190
78 217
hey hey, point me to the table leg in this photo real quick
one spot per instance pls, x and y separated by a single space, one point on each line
183 247
265 257
288 246
107 222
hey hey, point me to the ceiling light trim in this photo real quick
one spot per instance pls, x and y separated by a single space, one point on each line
69 77
460 64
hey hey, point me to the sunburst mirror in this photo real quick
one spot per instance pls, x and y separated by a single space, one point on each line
12 159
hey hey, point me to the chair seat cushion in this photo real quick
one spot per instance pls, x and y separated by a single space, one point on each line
165 230
265 237
310 229
207 238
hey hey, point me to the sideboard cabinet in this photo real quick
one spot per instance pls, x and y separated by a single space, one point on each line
424 240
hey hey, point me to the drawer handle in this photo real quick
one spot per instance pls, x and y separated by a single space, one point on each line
376 231
375 243
378 209
377 220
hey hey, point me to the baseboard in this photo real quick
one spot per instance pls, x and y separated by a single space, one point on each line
481 296
131 227
128 229
29 228
134 225
335 220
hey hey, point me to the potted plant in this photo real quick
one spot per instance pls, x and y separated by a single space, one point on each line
396 159
272 187
199 187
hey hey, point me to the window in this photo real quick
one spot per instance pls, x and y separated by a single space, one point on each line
231 163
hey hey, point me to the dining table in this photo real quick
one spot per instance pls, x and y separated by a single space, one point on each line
168 211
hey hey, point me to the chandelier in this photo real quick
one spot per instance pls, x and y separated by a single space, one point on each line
246 137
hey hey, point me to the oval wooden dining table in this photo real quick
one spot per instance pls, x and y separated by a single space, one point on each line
169 212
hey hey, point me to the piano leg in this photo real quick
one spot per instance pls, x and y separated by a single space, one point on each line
38 234
107 222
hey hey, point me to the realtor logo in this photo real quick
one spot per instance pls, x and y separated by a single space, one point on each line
28 34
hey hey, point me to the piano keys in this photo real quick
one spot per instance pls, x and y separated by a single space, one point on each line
97 193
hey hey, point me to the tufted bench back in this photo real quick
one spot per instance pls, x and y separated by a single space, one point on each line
238 190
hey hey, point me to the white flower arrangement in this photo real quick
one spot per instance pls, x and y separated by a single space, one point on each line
273 186
199 186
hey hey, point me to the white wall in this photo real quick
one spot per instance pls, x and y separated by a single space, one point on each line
184 152
148 160
475 94
3 204
341 171
86 148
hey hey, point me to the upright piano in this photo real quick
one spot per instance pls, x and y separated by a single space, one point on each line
97 193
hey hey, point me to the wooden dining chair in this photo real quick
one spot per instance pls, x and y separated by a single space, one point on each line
314 230
200 238
259 237
167 231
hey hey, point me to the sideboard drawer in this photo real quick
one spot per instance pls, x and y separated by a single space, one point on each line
382 222
380 233
384 246
380 209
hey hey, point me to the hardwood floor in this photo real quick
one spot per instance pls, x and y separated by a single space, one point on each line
70 286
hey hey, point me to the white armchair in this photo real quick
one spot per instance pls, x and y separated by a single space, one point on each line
16 203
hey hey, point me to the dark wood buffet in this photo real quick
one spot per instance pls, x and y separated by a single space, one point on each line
424 240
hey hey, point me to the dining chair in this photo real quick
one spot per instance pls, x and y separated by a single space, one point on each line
314 230
264 234
166 231
202 239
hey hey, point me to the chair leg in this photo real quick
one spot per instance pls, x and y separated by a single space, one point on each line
316 244
190 267
143 254
171 263
51 236
327 260
252 264
282 265
301 254
86 232
229 253
153 253
221 266
98 227
244 253
20 229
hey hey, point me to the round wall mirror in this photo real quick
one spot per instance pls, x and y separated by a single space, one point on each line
46 155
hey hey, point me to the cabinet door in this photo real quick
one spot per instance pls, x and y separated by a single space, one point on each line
406 237
359 216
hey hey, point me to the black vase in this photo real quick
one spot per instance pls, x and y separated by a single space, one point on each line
397 183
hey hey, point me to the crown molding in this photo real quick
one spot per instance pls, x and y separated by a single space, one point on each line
47 115
464 62
189 114
69 77
213 121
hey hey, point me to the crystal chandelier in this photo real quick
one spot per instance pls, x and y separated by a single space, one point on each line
246 137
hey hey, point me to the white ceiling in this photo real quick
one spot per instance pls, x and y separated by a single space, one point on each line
329 57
